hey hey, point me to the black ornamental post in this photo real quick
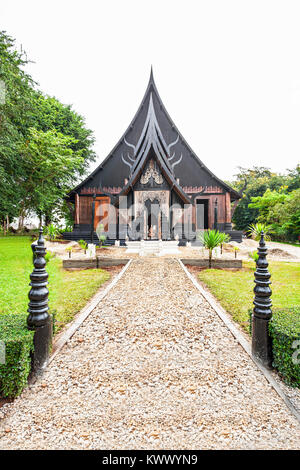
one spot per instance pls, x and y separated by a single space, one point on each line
216 215
262 313
39 319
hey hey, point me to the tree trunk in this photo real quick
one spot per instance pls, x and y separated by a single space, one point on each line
48 219
21 222
21 217
209 259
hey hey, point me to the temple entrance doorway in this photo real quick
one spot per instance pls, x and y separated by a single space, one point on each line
152 220
202 214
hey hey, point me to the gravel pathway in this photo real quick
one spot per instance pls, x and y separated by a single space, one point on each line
153 367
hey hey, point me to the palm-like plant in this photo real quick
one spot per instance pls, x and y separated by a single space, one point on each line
83 245
100 234
225 239
52 231
212 239
256 229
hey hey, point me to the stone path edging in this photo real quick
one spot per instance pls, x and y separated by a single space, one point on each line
85 312
242 340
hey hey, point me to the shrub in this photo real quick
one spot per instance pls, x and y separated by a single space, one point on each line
285 332
18 342
51 231
100 234
253 255
83 245
255 230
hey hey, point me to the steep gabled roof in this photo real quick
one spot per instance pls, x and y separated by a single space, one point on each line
153 127
152 138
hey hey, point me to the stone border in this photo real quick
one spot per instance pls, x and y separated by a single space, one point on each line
93 263
216 263
242 340
84 313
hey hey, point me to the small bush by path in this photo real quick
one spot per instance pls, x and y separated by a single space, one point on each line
285 332
15 358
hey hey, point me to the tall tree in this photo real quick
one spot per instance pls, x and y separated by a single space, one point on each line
253 182
48 166
29 120
15 106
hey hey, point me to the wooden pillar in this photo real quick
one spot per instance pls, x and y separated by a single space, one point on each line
228 225
76 218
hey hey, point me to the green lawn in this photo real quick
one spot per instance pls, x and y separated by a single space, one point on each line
234 289
68 290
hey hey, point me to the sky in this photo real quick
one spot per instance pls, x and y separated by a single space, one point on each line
228 71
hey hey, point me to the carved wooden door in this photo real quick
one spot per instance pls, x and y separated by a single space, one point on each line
101 212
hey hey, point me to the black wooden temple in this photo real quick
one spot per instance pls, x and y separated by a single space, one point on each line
151 185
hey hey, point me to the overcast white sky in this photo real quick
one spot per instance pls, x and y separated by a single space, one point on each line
228 72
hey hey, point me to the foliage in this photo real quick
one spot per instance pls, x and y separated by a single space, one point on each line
52 231
254 182
234 289
49 256
83 244
32 126
255 231
100 234
281 212
212 239
53 115
253 255
18 347
14 117
45 158
285 332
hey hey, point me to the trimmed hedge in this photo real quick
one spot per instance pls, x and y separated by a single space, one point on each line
18 348
285 330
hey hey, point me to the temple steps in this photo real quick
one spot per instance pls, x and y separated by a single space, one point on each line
152 247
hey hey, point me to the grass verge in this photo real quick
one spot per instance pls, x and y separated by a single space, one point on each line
68 291
234 289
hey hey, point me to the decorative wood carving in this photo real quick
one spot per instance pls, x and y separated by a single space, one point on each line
153 172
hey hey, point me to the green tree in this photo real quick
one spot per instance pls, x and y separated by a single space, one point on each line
281 211
48 167
15 107
26 116
50 114
253 182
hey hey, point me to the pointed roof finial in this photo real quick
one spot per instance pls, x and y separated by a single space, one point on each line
151 74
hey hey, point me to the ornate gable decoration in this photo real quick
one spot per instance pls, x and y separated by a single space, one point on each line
152 172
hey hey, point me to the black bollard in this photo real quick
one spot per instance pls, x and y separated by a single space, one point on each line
262 313
39 319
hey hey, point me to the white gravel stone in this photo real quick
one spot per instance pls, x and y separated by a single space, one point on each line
157 369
